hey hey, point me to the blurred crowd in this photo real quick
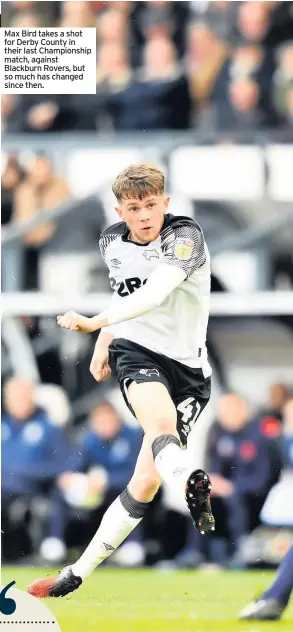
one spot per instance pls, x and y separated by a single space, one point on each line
58 479
211 66
167 65
26 189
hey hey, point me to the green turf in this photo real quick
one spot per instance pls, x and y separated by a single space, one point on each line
151 601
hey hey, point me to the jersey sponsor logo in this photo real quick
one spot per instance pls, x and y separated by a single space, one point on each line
126 287
151 254
149 372
183 248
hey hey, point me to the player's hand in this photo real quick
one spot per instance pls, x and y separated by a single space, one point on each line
221 486
97 480
64 480
99 366
41 116
76 322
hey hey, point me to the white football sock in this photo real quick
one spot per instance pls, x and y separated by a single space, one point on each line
116 525
173 465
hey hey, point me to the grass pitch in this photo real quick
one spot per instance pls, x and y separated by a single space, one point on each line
152 601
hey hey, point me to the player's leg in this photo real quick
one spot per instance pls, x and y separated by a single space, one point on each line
123 515
157 415
273 601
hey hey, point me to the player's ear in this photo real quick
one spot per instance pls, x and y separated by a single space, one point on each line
118 211
167 201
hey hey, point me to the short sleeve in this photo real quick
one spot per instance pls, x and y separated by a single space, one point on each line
109 235
104 241
183 246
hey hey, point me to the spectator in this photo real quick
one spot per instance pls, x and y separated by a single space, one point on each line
277 397
281 23
126 6
47 10
242 466
25 19
114 74
40 113
113 68
33 452
11 177
107 452
109 444
76 14
246 110
206 55
270 23
114 27
42 189
7 107
86 113
164 20
283 80
23 5
159 99
254 21
20 5
246 61
221 17
278 508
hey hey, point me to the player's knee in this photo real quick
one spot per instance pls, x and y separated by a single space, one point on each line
144 486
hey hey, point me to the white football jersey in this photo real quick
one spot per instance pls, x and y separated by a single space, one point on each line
176 328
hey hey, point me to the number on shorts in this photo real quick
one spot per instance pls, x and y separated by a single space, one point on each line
187 409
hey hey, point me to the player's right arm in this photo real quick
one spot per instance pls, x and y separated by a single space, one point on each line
99 366
183 254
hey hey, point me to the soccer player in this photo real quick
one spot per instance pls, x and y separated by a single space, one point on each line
154 334
272 603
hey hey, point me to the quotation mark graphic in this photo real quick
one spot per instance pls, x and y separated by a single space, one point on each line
7 605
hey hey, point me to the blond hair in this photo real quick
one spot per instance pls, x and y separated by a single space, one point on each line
139 181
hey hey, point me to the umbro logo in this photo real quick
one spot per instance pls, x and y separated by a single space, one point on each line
178 471
149 372
108 547
151 254
116 263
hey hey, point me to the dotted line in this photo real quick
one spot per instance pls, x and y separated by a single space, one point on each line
31 622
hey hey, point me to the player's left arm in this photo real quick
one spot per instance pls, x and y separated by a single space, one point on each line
183 250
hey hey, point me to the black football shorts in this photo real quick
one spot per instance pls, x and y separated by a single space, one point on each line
188 388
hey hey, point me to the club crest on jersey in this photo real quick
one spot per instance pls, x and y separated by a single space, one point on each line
149 372
183 248
151 254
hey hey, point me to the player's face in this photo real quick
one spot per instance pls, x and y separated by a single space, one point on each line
144 218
